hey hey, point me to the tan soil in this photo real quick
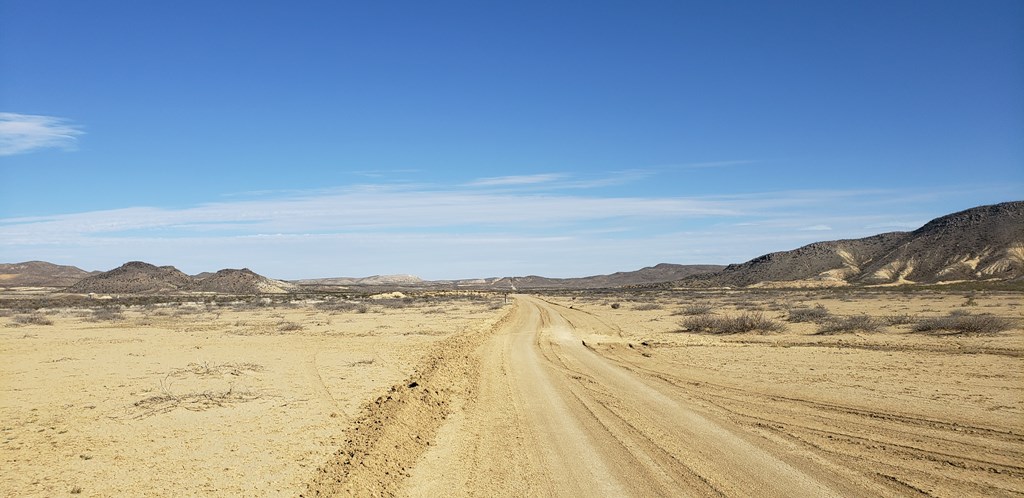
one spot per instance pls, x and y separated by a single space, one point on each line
176 401
549 396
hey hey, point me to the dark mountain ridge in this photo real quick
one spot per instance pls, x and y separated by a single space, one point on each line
137 277
981 243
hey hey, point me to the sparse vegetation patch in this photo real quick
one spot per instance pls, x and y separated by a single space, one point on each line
695 309
960 323
106 314
289 327
855 323
899 319
647 307
193 401
817 314
746 322
343 307
31 319
205 368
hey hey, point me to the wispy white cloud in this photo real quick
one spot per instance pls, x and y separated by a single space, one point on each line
713 164
516 180
444 233
898 225
360 209
815 228
23 133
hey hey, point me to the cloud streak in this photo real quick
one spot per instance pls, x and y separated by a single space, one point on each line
24 133
516 180
361 209
440 232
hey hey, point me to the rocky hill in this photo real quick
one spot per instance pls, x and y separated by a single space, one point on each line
243 281
39 274
137 277
982 243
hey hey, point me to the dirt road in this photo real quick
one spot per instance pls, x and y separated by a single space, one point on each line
558 401
552 417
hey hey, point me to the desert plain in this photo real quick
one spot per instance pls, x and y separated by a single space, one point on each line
838 392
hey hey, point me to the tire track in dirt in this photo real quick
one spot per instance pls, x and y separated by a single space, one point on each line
392 432
577 424
925 454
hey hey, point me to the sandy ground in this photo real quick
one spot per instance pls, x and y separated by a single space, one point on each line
557 395
197 400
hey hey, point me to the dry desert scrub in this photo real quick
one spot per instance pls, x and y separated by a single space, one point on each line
848 324
343 307
746 322
899 319
695 309
106 315
31 319
961 323
289 327
192 401
817 314
647 307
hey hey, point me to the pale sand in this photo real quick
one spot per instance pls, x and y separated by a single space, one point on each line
176 401
561 395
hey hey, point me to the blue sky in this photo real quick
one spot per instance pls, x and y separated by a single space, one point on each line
467 139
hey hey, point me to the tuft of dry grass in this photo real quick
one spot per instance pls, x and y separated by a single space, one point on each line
746 322
647 307
900 319
289 326
106 315
343 306
205 369
695 309
193 401
817 314
35 318
848 324
960 323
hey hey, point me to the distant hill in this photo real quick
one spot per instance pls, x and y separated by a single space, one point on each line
243 281
137 277
664 272
981 243
985 242
375 280
39 274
